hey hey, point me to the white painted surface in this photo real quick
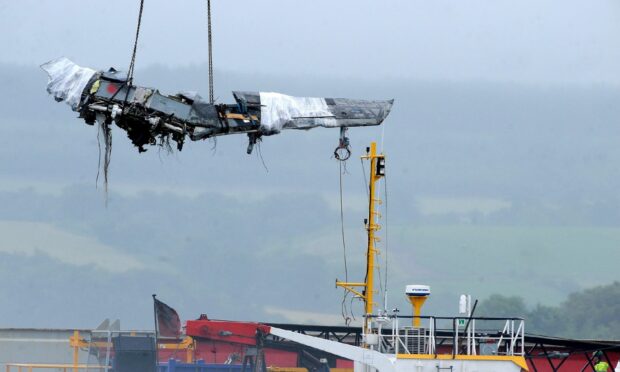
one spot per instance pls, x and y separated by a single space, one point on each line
278 110
421 365
381 362
37 346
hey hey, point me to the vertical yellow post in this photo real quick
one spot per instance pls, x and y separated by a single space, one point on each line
371 227
417 294
190 350
76 350
417 303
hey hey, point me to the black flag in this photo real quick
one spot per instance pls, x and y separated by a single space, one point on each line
167 320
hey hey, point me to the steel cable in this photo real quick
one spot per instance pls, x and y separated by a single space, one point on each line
385 208
135 46
210 44
344 311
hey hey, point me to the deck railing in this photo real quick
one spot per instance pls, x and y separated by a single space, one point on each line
459 335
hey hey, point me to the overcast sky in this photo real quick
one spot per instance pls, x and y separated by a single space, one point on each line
502 148
538 41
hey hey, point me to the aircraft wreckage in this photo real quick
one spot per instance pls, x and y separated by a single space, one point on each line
152 118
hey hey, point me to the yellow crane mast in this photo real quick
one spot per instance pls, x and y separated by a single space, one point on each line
377 171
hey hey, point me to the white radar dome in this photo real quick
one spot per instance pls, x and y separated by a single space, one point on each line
417 290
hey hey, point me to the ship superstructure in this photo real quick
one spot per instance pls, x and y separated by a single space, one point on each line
392 342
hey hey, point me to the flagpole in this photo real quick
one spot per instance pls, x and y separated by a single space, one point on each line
156 332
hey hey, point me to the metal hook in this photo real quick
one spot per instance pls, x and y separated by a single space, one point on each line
343 151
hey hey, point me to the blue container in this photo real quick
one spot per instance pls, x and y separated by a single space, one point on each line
199 366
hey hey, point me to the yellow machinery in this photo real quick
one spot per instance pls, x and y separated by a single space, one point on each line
77 343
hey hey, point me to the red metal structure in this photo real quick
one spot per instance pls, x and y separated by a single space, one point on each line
219 341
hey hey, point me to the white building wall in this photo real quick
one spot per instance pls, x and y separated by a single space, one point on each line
37 346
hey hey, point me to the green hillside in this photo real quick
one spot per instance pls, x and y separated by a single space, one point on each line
542 264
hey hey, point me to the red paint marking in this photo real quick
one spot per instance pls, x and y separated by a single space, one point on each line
112 88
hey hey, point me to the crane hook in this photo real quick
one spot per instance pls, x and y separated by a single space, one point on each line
343 151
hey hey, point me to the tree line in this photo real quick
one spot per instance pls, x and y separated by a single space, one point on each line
592 313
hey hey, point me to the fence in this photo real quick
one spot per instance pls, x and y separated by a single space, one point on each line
465 336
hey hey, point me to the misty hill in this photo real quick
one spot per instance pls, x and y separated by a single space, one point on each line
491 187
591 313
482 139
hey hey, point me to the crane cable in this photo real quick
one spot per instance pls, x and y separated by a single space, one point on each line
135 46
385 234
345 313
384 283
344 243
104 127
385 224
132 64
210 42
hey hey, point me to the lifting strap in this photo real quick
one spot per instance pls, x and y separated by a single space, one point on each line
135 47
132 64
210 42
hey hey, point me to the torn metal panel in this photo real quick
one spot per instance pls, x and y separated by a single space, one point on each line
67 80
150 117
279 111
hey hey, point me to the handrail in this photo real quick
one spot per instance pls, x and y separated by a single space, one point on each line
435 337
442 317
496 341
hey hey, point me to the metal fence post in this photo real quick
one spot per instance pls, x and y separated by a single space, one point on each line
172 365
455 342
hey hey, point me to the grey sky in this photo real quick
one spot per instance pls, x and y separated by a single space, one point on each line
502 147
537 41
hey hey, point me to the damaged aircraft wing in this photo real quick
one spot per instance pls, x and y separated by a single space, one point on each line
148 116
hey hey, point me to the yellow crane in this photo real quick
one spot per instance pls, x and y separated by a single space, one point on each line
377 171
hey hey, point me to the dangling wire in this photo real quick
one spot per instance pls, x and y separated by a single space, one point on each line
107 140
214 145
351 307
99 157
104 124
341 169
344 243
365 180
104 133
383 279
385 212
260 155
